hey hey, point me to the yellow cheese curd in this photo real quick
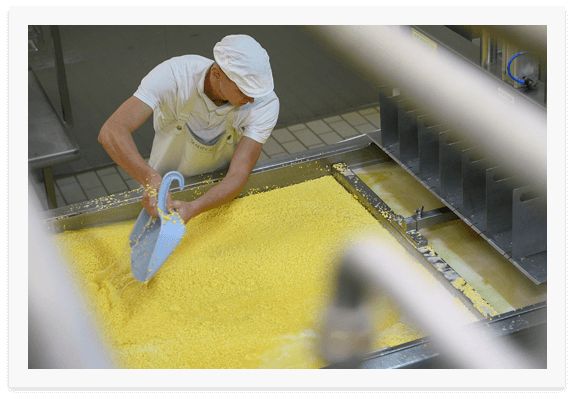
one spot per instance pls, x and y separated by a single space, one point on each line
245 288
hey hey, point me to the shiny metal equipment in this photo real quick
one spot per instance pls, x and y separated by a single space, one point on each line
476 140
499 198
49 142
337 160
475 163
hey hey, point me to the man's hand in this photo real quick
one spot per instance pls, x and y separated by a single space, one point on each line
242 163
150 197
186 210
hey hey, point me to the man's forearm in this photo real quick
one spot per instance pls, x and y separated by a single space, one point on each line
244 158
225 191
119 144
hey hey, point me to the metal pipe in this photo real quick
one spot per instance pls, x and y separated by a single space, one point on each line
61 75
60 332
50 187
367 267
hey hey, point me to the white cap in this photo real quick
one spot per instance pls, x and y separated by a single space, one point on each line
246 63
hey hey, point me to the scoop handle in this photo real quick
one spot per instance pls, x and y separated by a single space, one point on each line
164 188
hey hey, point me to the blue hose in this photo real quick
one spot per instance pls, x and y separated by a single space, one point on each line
521 81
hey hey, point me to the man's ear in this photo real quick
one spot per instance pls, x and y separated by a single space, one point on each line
216 72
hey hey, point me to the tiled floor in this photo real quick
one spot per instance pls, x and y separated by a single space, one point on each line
292 139
104 65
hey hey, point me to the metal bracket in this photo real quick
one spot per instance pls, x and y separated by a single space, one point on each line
430 218
418 215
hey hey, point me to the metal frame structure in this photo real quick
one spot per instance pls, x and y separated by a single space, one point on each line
292 169
504 207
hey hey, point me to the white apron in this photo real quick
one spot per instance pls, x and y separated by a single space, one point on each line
175 148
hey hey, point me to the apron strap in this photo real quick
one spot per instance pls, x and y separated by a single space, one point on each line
185 112
230 117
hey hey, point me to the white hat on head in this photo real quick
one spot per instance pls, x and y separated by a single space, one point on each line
246 63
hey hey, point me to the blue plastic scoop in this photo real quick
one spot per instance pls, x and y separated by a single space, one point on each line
153 240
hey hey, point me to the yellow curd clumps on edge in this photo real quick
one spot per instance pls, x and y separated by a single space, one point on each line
477 300
245 288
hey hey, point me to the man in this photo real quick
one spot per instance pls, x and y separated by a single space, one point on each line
207 115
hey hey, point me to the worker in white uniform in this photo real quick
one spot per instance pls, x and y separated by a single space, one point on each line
206 115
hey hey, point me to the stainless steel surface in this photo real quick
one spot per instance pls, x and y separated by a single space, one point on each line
532 38
456 161
474 167
529 231
525 326
450 167
373 203
511 124
49 143
270 174
367 266
499 187
274 173
408 132
476 189
447 275
61 75
428 218
448 41
524 66
49 185
488 48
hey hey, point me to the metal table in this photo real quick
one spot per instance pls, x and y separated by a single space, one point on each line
49 142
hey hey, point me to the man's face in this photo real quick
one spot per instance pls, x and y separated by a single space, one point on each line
232 93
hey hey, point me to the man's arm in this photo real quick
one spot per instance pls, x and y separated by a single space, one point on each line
244 158
115 136
117 140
